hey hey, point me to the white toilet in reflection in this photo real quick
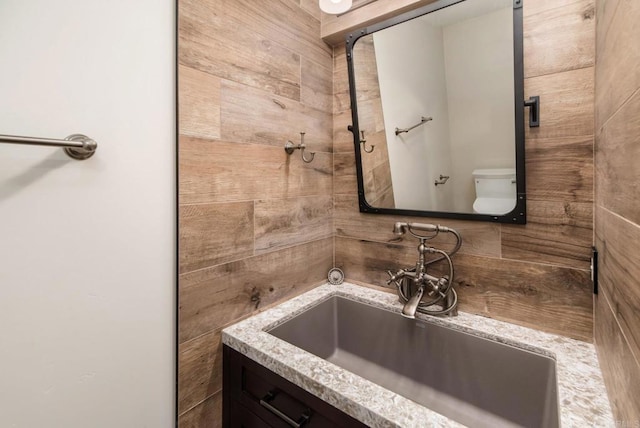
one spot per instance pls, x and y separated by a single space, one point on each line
495 190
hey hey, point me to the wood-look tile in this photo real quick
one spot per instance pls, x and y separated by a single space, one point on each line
216 171
344 174
282 223
617 155
620 369
618 242
605 11
384 198
370 116
199 369
538 6
254 116
618 59
211 234
375 165
207 414
341 98
559 39
480 238
284 22
367 261
215 297
381 181
312 7
560 169
558 233
341 101
199 103
317 86
366 69
210 40
566 104
529 294
342 137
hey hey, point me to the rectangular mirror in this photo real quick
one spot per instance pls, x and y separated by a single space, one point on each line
437 98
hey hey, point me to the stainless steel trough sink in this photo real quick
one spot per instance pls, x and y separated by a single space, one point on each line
472 380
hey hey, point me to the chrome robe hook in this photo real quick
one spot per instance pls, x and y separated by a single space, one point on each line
289 147
364 144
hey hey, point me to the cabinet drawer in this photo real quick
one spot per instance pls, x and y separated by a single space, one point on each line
278 402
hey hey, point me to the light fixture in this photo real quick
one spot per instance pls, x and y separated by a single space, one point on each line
335 7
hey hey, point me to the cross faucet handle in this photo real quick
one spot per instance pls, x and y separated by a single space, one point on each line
393 277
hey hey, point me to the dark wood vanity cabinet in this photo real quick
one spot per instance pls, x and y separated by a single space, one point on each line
254 396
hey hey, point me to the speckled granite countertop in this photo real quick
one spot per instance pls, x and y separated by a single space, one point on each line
581 392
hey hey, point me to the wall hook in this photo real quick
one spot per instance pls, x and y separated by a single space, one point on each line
289 147
442 180
364 143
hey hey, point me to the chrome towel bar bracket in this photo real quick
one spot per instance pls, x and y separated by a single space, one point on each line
76 146
423 120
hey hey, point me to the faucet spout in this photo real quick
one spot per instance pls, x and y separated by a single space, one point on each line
410 308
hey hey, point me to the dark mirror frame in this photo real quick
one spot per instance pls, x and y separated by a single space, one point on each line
519 214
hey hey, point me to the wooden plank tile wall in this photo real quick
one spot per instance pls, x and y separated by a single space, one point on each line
376 167
523 274
617 211
255 224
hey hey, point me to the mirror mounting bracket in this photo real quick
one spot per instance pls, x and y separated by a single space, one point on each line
534 111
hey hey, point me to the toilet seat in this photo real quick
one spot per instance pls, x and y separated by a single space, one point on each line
494 206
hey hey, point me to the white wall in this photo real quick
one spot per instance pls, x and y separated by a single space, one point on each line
479 67
87 248
412 84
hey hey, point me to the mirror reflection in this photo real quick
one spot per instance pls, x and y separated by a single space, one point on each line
436 111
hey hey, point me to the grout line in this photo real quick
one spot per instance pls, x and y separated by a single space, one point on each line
624 104
587 269
239 201
256 255
619 217
560 72
208 140
201 335
550 9
470 254
613 16
257 199
333 155
626 342
200 402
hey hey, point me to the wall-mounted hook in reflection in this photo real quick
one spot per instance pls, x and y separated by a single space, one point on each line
443 179
364 143
362 140
289 147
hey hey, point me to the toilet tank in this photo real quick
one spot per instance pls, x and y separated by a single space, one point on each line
495 190
495 183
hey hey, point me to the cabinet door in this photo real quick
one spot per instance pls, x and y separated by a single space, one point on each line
241 417
275 400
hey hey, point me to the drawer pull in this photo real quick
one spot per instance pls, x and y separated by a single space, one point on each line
266 403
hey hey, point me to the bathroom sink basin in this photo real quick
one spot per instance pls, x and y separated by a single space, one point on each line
470 379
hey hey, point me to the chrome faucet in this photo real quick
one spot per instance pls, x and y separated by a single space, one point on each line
412 284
